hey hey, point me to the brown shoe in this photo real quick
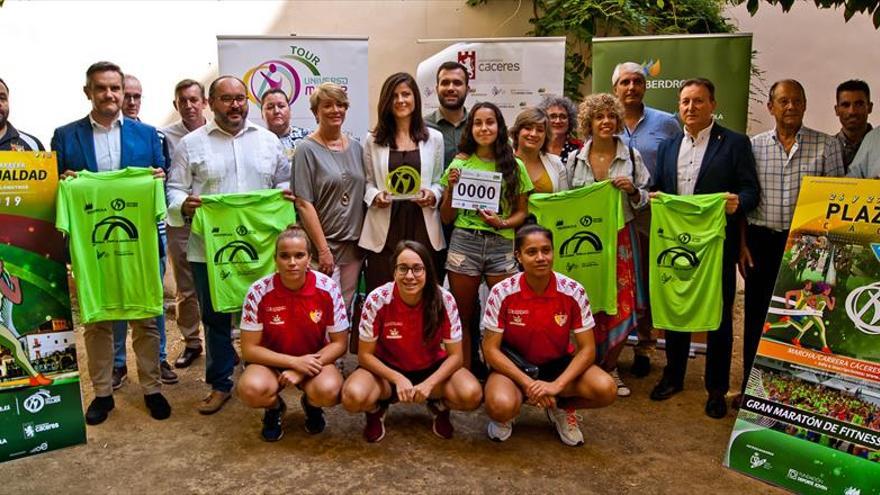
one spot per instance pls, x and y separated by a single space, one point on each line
213 402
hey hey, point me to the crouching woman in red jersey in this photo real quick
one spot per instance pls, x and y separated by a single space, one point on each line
529 318
293 329
400 356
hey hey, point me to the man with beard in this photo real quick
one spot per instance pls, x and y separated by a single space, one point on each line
852 108
449 119
228 155
11 139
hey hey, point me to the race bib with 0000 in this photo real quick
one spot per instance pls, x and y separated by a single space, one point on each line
477 190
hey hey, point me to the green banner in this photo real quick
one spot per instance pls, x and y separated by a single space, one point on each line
668 61
40 404
810 417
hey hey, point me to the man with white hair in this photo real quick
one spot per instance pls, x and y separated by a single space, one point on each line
644 129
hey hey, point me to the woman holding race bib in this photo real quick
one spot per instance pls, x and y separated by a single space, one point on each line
606 157
530 136
482 241
410 348
293 329
403 162
329 183
530 318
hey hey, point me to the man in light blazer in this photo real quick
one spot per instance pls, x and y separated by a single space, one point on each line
707 158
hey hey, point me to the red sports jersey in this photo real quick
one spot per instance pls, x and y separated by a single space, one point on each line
294 322
399 331
538 327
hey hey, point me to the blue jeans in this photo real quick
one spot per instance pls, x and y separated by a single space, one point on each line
120 331
220 355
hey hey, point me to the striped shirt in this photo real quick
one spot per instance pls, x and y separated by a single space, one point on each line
780 174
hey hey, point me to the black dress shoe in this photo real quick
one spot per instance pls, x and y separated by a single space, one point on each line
716 406
665 389
641 366
99 409
158 406
186 357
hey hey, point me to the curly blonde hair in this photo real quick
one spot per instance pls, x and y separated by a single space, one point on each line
590 108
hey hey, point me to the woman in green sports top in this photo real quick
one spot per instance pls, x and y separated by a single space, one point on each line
481 244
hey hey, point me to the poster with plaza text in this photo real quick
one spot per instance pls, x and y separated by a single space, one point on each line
810 418
40 404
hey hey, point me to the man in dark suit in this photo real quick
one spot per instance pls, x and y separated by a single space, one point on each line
103 141
707 158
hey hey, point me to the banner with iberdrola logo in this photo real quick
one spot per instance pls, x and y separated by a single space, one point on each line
297 65
810 417
513 73
40 405
668 61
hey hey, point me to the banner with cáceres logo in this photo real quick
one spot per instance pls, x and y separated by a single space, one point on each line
810 417
668 61
297 65
513 73
40 405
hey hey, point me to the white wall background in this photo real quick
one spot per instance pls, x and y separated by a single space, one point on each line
818 49
47 45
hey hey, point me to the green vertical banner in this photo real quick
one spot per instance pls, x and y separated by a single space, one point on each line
668 61
810 416
40 401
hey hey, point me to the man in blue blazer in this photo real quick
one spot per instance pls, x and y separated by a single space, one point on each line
707 158
105 140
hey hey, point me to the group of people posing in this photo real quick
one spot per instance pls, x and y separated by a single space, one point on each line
419 342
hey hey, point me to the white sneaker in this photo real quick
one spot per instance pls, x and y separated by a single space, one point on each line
566 423
622 389
499 431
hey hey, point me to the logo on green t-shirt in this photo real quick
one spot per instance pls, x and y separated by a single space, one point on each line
581 242
227 253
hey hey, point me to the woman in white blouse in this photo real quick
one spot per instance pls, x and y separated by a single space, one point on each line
606 157
403 163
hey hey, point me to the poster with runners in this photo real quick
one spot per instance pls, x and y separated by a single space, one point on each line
810 417
40 405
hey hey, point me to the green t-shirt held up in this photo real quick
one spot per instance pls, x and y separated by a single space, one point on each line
684 272
585 223
111 218
470 219
239 231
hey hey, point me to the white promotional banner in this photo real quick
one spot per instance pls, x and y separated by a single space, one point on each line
513 73
298 64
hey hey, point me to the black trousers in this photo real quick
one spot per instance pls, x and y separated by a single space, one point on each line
767 247
720 341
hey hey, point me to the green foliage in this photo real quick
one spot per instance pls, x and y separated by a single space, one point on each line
850 7
581 20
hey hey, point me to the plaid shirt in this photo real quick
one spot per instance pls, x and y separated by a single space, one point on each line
780 173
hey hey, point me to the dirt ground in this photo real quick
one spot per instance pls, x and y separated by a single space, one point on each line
635 446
